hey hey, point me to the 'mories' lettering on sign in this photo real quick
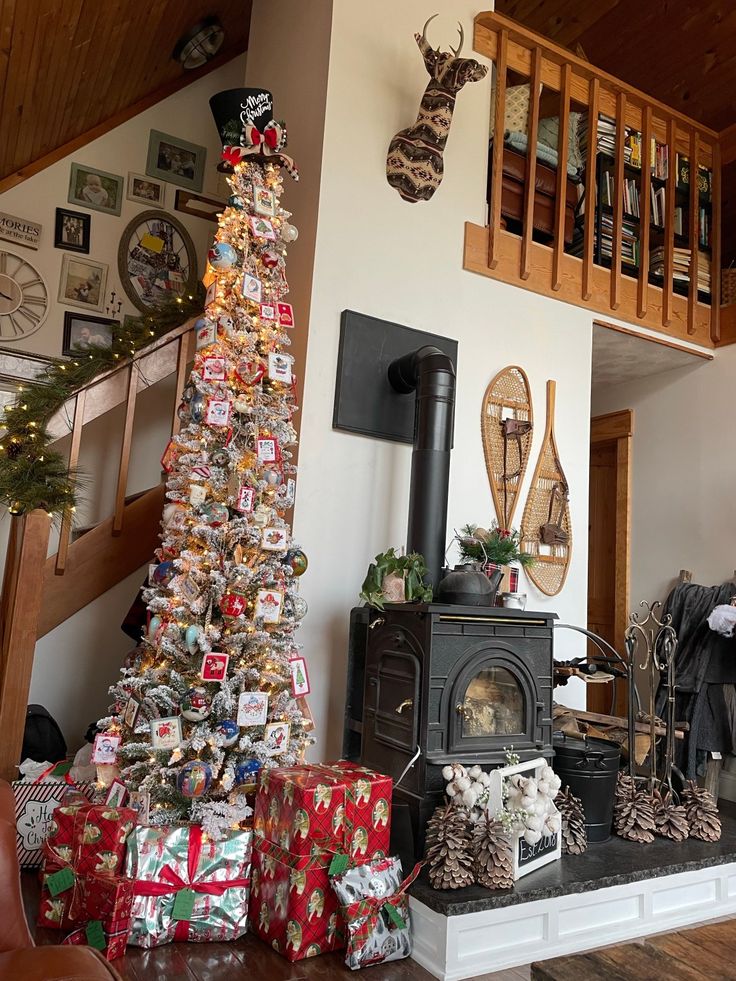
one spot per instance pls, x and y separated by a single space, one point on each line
19 230
527 852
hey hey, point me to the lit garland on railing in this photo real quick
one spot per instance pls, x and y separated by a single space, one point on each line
31 474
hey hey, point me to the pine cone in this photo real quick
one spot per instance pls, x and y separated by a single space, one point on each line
625 787
449 848
670 818
492 852
702 812
634 818
574 836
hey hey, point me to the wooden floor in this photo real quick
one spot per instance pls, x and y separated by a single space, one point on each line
246 958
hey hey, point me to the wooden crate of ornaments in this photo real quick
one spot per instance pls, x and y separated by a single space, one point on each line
530 786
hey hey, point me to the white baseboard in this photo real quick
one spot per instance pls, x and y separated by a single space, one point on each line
456 947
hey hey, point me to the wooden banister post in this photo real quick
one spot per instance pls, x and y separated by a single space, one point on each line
561 198
590 188
669 224
117 523
645 212
618 202
527 230
494 209
715 261
21 605
693 230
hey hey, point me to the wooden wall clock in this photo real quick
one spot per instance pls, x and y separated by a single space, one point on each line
24 299
156 260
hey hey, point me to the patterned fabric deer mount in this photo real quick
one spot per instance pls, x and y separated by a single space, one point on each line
414 165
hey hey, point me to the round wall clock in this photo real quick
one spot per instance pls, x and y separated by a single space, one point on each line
24 299
156 260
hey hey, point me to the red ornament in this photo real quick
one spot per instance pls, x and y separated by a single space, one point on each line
232 604
250 372
270 259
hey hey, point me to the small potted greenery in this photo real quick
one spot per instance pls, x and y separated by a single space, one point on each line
393 578
497 548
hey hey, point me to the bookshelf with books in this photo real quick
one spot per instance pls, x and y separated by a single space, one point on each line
634 184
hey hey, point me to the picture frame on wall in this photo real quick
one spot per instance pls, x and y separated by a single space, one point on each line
84 331
72 230
176 161
82 283
144 190
95 189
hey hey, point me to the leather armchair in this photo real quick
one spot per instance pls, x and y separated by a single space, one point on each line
20 960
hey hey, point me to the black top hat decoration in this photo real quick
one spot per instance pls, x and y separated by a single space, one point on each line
244 120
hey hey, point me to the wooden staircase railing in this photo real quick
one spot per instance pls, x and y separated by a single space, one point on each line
39 593
495 251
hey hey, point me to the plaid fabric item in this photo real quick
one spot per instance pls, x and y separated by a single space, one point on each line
54 911
91 837
292 907
100 897
115 938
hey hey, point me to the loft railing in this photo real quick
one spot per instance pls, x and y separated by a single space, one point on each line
34 598
560 83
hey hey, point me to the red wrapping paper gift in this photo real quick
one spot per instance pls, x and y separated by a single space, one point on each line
102 897
292 907
337 807
115 937
54 911
304 815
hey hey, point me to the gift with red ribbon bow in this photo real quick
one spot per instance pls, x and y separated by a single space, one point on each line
270 142
375 908
188 886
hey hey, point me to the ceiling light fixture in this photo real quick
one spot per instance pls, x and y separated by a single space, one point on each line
200 44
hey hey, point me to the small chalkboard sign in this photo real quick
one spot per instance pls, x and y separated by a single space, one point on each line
526 857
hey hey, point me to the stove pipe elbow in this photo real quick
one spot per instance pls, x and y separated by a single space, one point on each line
431 374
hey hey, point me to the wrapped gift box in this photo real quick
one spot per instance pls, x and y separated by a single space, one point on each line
54 909
35 802
188 886
101 897
111 942
338 807
292 907
304 816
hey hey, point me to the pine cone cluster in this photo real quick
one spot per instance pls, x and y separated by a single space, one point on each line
633 816
670 818
574 837
449 848
492 853
702 812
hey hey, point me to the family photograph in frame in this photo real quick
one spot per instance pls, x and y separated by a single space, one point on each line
82 332
82 283
176 161
95 189
144 190
72 230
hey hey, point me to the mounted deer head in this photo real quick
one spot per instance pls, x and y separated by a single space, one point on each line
414 165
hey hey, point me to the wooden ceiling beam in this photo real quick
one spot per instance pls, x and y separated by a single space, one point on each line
122 116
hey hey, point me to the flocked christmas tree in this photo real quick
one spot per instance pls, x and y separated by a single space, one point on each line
215 690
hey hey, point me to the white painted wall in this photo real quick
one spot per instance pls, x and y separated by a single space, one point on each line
381 256
76 663
683 474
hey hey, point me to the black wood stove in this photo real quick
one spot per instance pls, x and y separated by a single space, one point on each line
433 684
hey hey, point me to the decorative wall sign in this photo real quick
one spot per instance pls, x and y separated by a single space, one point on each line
19 231
72 230
198 205
95 189
24 299
156 260
506 424
176 161
546 529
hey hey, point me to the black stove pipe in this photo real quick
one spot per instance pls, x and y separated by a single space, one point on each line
431 373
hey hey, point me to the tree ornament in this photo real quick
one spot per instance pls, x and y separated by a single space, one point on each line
670 818
229 730
232 605
634 818
194 778
235 201
197 407
220 457
215 514
449 848
222 255
289 232
297 561
191 638
702 812
492 853
247 772
573 834
196 704
164 573
269 258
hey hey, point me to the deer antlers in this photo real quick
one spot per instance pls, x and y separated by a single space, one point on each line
455 51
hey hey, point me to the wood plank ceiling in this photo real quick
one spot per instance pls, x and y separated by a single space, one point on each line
69 66
682 52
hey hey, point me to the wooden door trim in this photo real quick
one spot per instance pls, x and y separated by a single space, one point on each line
617 428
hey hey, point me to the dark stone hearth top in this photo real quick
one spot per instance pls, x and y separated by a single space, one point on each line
610 863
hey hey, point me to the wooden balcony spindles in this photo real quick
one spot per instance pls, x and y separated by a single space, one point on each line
531 164
561 198
117 523
494 211
184 354
66 524
694 229
618 202
645 212
715 243
669 225
590 188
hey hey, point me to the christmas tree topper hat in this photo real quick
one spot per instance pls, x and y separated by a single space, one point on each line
244 120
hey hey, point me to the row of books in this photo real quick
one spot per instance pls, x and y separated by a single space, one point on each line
630 192
632 207
681 266
606 143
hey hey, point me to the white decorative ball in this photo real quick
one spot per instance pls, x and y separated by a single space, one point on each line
469 798
534 823
527 801
462 783
451 791
474 772
541 806
543 786
531 787
485 779
532 837
547 773
447 772
289 232
554 823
